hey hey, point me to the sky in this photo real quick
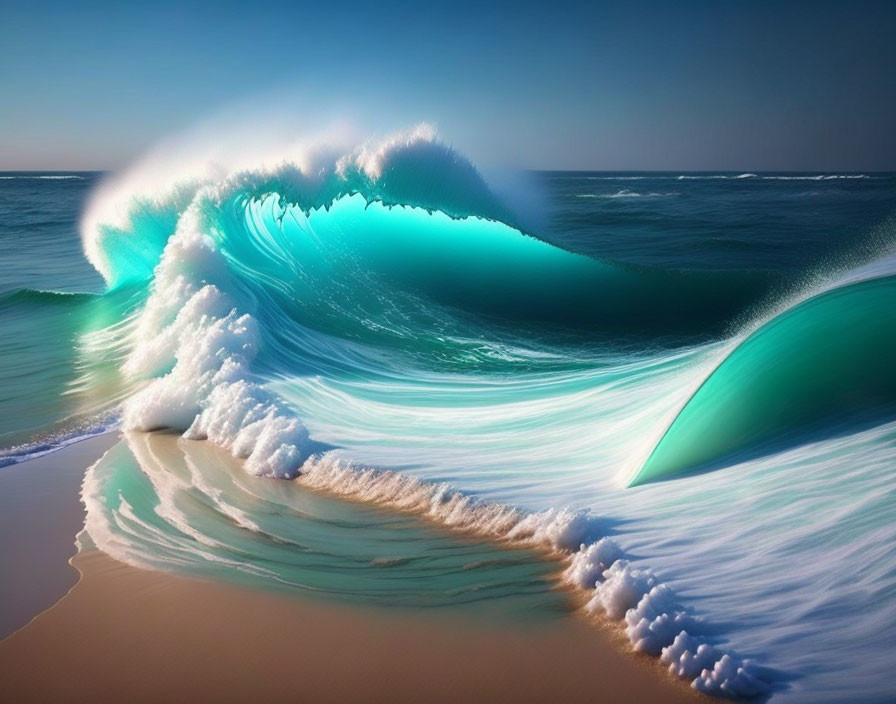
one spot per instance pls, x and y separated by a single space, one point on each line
726 85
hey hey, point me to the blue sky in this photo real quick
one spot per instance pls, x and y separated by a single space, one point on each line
635 85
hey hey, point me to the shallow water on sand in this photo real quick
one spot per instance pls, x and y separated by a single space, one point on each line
165 502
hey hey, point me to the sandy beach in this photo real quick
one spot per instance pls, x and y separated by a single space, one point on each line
139 635
41 514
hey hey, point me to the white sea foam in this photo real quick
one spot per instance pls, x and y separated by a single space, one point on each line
657 625
771 177
656 620
372 157
731 677
818 177
621 589
712 177
47 445
687 656
193 328
553 530
589 563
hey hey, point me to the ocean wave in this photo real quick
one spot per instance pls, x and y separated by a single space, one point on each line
819 177
625 194
714 177
734 177
825 354
62 177
771 177
197 341
55 441
410 169
386 286
36 295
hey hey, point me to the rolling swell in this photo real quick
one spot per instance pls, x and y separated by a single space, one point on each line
26 296
823 366
60 384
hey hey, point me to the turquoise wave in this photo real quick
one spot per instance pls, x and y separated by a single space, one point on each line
420 280
821 367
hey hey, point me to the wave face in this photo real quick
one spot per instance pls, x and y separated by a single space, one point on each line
819 367
376 325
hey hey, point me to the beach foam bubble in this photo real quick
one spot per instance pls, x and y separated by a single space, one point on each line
589 563
733 678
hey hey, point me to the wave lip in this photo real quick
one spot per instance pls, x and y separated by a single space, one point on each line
412 169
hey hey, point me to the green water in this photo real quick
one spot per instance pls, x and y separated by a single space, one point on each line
822 364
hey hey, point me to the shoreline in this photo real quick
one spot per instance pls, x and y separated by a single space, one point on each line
35 553
147 635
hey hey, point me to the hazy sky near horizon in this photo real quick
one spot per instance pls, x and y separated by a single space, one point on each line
601 85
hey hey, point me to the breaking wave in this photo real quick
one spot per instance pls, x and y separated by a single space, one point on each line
339 320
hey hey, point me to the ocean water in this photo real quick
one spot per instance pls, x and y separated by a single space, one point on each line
679 384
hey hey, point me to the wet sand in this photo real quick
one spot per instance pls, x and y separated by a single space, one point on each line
129 634
40 514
